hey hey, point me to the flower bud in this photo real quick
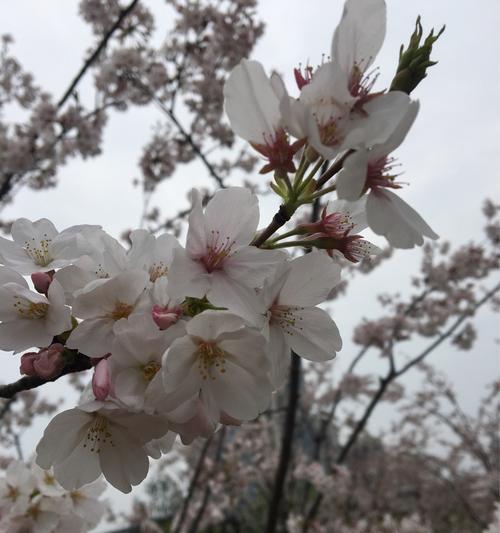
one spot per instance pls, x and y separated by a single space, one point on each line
26 367
42 281
101 384
164 317
49 362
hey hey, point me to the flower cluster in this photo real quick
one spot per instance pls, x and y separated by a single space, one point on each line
184 338
181 338
32 500
337 113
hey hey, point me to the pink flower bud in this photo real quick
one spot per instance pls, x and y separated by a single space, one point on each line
164 317
42 281
26 367
101 384
49 362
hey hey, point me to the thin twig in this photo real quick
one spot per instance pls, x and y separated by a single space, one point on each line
187 136
193 528
88 63
192 485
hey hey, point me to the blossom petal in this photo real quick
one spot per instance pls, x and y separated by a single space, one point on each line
400 224
313 335
251 103
310 280
360 34
352 178
232 215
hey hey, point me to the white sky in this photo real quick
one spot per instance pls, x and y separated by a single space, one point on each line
451 158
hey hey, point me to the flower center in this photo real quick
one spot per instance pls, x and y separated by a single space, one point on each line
39 253
285 318
48 478
217 251
210 356
157 270
12 493
337 225
76 496
329 133
380 174
98 434
32 310
150 370
121 310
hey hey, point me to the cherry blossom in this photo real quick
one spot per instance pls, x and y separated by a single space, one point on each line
219 262
295 323
81 445
253 108
38 246
29 318
102 306
372 171
223 359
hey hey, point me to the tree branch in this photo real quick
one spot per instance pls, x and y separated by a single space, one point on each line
31 382
187 136
192 485
286 445
193 528
104 41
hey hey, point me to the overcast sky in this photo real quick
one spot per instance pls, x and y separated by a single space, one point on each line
451 158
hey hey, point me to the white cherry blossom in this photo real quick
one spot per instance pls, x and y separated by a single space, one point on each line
81 445
219 262
28 318
294 321
372 171
39 247
136 359
357 41
252 104
223 359
101 307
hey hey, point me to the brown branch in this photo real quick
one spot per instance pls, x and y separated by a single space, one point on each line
286 445
104 41
279 219
31 382
193 528
192 485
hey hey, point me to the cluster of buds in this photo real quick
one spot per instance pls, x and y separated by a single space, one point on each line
185 338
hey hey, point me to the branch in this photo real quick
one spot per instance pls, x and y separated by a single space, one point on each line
192 485
88 63
449 331
30 382
285 212
187 136
286 445
208 491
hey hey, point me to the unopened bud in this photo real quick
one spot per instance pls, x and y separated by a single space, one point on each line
42 281
164 317
101 384
49 362
26 367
